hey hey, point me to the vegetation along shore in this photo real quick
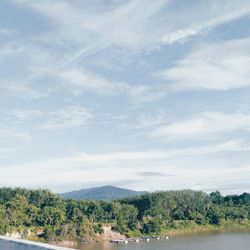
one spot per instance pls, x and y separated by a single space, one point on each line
42 216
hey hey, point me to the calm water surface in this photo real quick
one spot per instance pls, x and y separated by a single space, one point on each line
215 241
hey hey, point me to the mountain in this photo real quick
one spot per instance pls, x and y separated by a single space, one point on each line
101 193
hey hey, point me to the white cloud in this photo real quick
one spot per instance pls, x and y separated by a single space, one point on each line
78 81
9 49
57 51
24 115
27 61
14 134
69 117
5 150
81 80
210 15
136 25
81 168
150 120
6 32
220 66
204 125
21 91
83 29
106 25
147 120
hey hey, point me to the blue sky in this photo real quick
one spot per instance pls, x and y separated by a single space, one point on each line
149 95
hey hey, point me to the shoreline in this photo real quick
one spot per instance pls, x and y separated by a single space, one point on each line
188 231
34 243
230 227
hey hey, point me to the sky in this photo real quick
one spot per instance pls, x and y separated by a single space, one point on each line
141 94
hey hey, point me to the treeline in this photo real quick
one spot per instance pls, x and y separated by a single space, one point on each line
177 209
52 218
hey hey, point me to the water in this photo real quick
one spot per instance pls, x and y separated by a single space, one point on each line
214 241
6 245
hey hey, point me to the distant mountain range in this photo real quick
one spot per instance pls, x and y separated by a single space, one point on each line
101 193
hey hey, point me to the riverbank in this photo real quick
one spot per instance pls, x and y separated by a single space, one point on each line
193 228
33 243
185 228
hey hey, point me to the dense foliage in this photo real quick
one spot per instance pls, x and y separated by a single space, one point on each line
53 218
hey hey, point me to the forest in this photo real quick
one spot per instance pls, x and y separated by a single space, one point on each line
52 218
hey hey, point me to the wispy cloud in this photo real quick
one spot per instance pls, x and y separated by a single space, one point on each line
209 16
66 117
140 24
79 80
93 63
9 49
69 117
147 120
204 125
144 121
124 24
14 134
6 150
30 60
81 168
24 115
6 32
122 158
221 66
21 91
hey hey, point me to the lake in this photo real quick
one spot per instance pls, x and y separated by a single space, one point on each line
214 241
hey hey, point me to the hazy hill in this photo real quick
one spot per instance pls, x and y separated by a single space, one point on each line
101 193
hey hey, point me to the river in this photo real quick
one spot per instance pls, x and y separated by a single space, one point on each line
214 241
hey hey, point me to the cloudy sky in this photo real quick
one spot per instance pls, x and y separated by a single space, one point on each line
142 94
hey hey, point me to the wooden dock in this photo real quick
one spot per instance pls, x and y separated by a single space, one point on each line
119 241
